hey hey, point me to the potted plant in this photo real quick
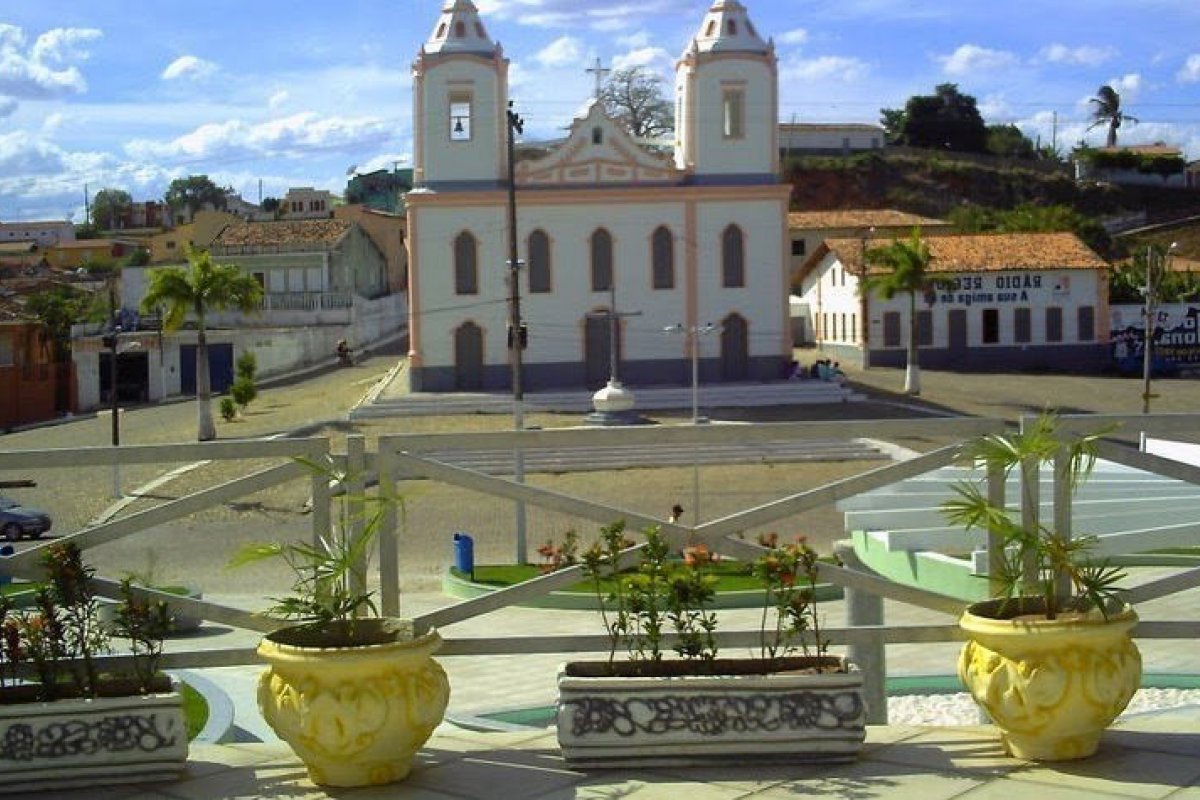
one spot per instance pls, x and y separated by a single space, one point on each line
791 703
1051 658
63 721
354 694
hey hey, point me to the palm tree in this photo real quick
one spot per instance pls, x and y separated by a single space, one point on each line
202 287
907 264
1107 111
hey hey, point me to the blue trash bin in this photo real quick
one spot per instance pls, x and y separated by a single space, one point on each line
5 551
464 554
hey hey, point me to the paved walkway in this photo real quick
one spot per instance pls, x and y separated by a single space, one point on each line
1150 757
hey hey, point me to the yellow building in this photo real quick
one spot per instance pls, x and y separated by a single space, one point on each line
204 228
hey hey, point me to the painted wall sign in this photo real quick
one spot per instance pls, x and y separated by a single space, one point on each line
1022 287
1176 337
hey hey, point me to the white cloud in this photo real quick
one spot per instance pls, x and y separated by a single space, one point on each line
1191 70
7 106
278 99
1128 86
635 40
189 67
612 16
286 136
561 52
1084 55
971 59
650 57
44 70
840 68
794 36
53 122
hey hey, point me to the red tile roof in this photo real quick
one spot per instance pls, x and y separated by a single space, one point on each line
858 218
324 232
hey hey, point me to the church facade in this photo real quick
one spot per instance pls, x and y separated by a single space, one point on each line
607 231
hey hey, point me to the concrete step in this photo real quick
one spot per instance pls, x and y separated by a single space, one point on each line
735 395
500 462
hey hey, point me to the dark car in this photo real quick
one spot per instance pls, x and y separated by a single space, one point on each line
17 520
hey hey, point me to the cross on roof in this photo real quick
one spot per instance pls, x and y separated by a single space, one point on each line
599 71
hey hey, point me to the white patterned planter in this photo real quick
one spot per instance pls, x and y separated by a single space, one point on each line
791 715
105 740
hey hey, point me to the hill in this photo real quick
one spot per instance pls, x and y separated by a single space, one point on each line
932 183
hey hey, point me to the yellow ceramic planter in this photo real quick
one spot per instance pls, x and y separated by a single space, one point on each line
1051 686
355 715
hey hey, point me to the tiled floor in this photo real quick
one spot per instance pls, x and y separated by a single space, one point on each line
1155 756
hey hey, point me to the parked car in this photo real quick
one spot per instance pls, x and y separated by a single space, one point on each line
17 520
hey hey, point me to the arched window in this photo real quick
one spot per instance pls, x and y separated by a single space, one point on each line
602 266
662 257
466 270
539 262
733 258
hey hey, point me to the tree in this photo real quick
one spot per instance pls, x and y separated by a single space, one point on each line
1106 110
907 272
1030 218
56 310
244 389
944 120
1007 140
192 194
197 290
270 204
635 98
109 206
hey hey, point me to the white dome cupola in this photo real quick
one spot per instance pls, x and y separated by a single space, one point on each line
459 30
727 29
727 101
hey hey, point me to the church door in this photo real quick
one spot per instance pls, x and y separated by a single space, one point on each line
468 358
597 349
735 349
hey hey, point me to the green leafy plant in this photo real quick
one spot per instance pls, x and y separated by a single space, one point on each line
1041 571
327 575
557 555
228 409
146 624
789 573
666 595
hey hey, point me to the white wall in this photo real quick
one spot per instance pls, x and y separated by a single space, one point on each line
703 107
438 157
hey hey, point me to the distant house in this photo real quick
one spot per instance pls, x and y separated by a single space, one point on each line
32 387
388 232
324 280
305 202
1013 301
43 233
1137 164
381 190
807 229
829 138
170 246
76 253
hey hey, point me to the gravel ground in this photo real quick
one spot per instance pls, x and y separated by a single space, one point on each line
960 709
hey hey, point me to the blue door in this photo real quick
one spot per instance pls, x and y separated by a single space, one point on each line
220 367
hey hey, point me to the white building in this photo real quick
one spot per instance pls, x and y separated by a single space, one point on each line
45 234
1011 301
687 241
829 138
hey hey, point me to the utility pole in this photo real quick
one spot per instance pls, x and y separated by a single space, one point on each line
516 335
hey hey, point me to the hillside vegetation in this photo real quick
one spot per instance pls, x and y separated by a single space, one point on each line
933 183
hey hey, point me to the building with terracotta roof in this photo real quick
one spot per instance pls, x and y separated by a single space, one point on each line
1010 301
324 280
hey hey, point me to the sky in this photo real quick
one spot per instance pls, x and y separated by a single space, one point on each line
111 94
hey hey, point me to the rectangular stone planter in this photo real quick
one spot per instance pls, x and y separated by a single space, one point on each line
736 714
92 742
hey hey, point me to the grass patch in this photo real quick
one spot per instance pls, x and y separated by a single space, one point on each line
195 710
732 576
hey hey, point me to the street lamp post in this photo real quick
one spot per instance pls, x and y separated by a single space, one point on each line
112 340
693 332
1156 266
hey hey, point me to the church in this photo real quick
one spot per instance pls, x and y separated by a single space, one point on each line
617 245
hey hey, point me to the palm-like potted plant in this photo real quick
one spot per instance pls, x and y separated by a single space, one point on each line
354 694
792 702
1051 659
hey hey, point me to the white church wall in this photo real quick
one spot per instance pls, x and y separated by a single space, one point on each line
752 152
442 159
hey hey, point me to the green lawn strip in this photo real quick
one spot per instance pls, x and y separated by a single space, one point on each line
732 576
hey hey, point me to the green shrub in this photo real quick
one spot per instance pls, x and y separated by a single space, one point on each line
228 409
